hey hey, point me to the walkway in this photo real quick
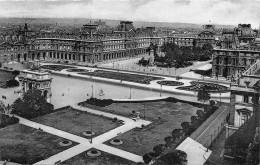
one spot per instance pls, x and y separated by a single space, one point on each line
84 143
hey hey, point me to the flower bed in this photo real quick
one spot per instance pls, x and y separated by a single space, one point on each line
116 142
143 79
56 67
93 153
170 83
88 133
210 87
77 70
65 143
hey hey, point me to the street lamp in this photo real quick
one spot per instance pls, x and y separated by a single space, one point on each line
220 98
91 137
130 92
161 91
144 110
92 93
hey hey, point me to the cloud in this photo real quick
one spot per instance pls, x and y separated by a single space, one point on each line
188 11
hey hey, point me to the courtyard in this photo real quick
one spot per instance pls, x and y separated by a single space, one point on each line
25 145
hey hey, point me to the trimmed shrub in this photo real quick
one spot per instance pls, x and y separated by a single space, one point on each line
12 83
5 120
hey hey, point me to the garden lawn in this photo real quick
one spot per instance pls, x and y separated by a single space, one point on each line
171 114
4 76
77 122
25 145
104 159
143 79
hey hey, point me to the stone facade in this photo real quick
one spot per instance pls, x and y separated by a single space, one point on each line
235 52
36 79
88 46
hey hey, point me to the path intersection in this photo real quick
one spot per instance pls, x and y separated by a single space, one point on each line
84 144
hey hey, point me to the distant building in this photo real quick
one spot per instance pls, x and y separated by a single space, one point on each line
236 51
206 36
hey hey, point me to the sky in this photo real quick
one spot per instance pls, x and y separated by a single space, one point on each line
229 12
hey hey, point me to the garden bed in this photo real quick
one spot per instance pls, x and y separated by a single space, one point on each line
143 79
56 67
25 145
77 70
170 83
103 159
77 122
210 87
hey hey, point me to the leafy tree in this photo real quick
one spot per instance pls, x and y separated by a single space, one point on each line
176 157
194 120
168 140
200 113
185 127
2 107
203 95
147 158
176 133
6 120
32 105
12 83
15 72
158 149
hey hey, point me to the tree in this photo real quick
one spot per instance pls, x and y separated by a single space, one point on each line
194 120
176 157
176 133
15 72
168 140
200 113
12 83
32 105
185 127
2 107
203 95
147 158
158 149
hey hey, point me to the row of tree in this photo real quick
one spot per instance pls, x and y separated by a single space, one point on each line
177 136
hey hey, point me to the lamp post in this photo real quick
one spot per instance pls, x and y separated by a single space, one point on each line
161 91
92 93
144 110
130 92
220 98
91 137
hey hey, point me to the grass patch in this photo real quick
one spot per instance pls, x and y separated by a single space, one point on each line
172 115
77 122
143 79
5 76
25 145
104 159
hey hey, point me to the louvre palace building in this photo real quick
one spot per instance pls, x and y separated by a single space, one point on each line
94 43
236 50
